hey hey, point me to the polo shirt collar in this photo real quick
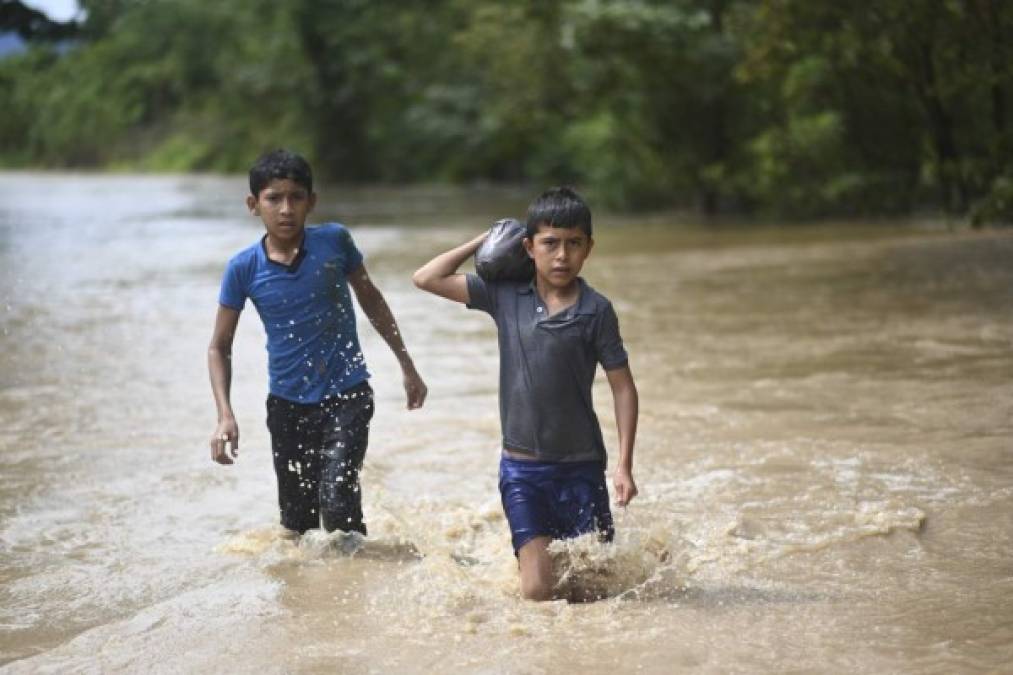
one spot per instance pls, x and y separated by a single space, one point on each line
584 305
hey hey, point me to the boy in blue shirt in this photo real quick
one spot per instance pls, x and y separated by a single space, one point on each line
553 332
320 401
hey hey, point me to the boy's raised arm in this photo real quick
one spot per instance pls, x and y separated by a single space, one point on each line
376 309
220 371
440 276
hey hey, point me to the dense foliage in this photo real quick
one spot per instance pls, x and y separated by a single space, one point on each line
791 107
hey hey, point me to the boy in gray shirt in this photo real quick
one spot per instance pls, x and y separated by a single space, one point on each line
553 332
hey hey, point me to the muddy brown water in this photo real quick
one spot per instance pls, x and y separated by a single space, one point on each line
825 453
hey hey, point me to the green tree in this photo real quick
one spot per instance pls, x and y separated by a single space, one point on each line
799 108
918 96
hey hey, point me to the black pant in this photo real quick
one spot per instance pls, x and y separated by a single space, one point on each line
318 452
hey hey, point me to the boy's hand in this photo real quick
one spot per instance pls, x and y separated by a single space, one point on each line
415 388
626 488
226 432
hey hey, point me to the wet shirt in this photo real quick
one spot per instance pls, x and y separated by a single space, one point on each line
312 344
547 366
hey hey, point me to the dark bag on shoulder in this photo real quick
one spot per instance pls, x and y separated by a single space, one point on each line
502 257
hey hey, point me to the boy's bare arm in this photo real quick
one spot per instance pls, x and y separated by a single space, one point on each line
627 402
439 275
220 371
375 307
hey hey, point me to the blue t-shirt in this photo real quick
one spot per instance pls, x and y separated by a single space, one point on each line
312 345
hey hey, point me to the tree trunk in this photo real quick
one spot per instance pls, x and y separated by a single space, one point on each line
717 131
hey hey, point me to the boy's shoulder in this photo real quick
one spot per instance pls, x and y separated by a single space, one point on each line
511 286
325 229
590 299
591 302
331 234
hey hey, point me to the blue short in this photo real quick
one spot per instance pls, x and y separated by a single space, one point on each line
561 500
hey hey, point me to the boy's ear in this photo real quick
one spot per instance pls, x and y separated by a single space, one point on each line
312 201
528 246
251 204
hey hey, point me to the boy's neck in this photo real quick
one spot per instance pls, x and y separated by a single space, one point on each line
284 250
557 297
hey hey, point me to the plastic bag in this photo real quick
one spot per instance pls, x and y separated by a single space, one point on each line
502 257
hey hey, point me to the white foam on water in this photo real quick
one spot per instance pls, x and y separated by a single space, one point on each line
450 566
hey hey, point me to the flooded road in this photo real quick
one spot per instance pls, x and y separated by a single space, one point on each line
825 453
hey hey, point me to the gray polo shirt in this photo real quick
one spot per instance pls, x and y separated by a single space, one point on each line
547 366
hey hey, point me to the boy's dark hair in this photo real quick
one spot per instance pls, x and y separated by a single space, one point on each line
559 207
280 164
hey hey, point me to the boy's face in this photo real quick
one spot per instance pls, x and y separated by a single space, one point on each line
283 206
559 253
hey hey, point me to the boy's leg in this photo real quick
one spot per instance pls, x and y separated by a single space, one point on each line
295 462
522 487
537 579
345 437
582 508
546 501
